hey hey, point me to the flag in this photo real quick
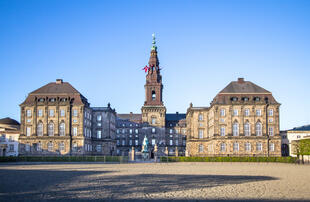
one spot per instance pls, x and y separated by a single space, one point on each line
145 68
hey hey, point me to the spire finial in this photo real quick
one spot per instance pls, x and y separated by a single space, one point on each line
154 47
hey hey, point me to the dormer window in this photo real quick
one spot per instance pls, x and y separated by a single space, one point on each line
256 98
153 95
41 100
52 99
245 99
234 99
63 99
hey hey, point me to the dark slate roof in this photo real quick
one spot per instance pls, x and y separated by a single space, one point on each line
301 128
242 86
9 121
131 117
175 117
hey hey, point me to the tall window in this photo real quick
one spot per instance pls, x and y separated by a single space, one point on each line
50 128
136 142
247 146
259 146
153 95
235 113
75 112
62 128
258 112
74 147
40 113
247 131
61 146
39 146
130 131
153 142
153 120
171 142
222 132
246 112
27 147
270 131
123 142
51 112
176 142
50 146
200 148
136 131
62 113
40 129
28 131
28 112
271 147
258 128
236 146
170 131
130 142
200 117
99 134
98 148
99 117
235 129
223 147
74 131
200 133
222 112
270 112
153 130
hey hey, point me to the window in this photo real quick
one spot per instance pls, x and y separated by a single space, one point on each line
62 128
271 146
259 146
40 129
74 147
153 95
210 147
247 146
28 131
50 129
200 133
3 137
270 112
98 148
75 131
171 142
170 131
130 131
176 142
235 113
235 129
247 131
270 131
117 131
136 131
11 147
258 112
270 120
99 117
200 117
61 146
222 112
136 142
130 142
223 147
123 142
153 142
10 139
246 112
40 113
74 121
222 132
50 146
153 120
184 142
62 113
117 142
39 146
75 112
99 124
258 128
200 148
236 146
28 112
123 131
99 134
27 147
153 130
51 112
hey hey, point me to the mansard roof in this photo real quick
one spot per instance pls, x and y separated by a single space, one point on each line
243 87
131 117
54 90
301 128
175 117
9 124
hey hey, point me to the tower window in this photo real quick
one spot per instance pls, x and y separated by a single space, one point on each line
153 95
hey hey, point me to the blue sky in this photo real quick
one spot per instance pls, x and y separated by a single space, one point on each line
100 47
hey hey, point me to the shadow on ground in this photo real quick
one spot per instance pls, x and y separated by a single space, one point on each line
82 185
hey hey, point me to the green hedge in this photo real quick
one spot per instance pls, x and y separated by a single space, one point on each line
229 159
64 159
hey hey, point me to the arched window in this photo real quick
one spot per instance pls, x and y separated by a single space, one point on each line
200 117
51 129
223 147
40 129
258 128
236 129
62 129
50 146
247 131
153 95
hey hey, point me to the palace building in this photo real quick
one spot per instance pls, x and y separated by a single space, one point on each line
243 120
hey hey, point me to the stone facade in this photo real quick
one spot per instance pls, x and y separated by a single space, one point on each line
9 134
243 120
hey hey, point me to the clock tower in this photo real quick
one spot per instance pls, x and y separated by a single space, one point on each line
153 110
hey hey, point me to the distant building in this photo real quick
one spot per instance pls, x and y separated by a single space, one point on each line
243 120
290 136
9 134
56 119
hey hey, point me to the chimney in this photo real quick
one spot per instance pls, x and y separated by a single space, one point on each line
58 81
177 113
240 80
131 114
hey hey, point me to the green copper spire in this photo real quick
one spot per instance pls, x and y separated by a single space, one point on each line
154 47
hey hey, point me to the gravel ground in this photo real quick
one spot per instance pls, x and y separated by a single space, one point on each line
154 181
